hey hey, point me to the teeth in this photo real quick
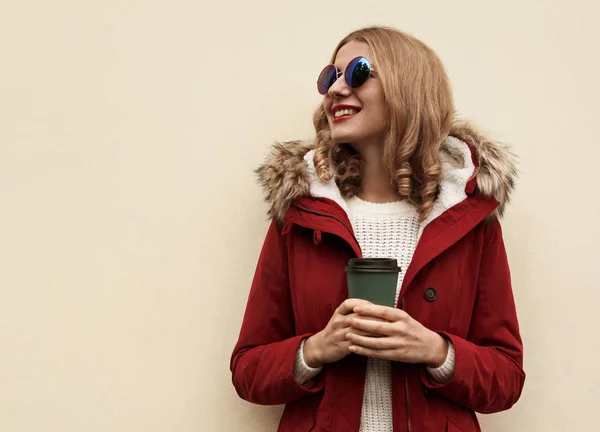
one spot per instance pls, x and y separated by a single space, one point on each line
344 112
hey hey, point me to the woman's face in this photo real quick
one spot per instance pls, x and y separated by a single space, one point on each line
356 116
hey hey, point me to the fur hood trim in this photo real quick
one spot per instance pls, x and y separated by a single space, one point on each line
285 174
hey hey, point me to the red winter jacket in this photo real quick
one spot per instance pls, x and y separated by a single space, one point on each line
300 281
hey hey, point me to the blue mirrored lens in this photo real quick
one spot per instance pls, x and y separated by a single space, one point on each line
326 79
357 72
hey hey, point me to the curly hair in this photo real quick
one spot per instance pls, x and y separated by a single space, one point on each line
420 107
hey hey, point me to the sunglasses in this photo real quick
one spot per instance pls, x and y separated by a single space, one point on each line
356 74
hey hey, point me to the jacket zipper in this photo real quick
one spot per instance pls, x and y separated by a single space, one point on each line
401 306
350 230
406 387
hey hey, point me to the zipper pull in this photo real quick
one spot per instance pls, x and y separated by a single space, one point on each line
286 229
317 237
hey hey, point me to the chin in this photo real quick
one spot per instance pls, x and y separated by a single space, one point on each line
340 137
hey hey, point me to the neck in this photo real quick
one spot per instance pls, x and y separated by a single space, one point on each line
376 186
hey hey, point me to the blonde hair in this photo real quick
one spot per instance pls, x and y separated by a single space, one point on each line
420 110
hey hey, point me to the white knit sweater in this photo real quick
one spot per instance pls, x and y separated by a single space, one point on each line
388 230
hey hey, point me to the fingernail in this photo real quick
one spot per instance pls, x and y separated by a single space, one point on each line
357 309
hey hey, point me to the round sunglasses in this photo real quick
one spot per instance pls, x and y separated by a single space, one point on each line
356 74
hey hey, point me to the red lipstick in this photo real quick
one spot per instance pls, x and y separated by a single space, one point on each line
341 107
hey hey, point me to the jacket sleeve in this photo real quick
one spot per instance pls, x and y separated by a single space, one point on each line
262 363
488 375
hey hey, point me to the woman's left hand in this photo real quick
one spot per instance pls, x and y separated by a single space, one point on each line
401 338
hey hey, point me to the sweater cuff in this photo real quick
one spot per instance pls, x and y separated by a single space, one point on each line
444 373
303 372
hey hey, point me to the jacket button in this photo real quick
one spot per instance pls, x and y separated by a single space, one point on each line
430 294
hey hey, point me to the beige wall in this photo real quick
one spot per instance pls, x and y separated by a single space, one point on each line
130 222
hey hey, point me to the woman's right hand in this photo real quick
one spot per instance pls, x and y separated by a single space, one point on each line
330 344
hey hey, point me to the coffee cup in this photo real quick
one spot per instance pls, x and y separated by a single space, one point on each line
373 279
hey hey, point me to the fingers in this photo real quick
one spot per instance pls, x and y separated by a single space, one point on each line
372 326
342 325
349 304
371 343
383 312
361 332
367 352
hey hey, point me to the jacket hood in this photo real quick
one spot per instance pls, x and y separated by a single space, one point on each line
288 173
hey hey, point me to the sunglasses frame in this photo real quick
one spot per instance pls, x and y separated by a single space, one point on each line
339 73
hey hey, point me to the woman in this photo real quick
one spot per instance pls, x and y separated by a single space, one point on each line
391 174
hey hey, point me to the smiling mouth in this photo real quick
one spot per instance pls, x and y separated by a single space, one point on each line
344 114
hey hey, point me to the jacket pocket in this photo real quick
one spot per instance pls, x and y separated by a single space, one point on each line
307 425
451 427
298 417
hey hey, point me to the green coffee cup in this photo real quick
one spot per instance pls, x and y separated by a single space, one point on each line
373 279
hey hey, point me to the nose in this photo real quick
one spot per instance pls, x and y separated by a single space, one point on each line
339 88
